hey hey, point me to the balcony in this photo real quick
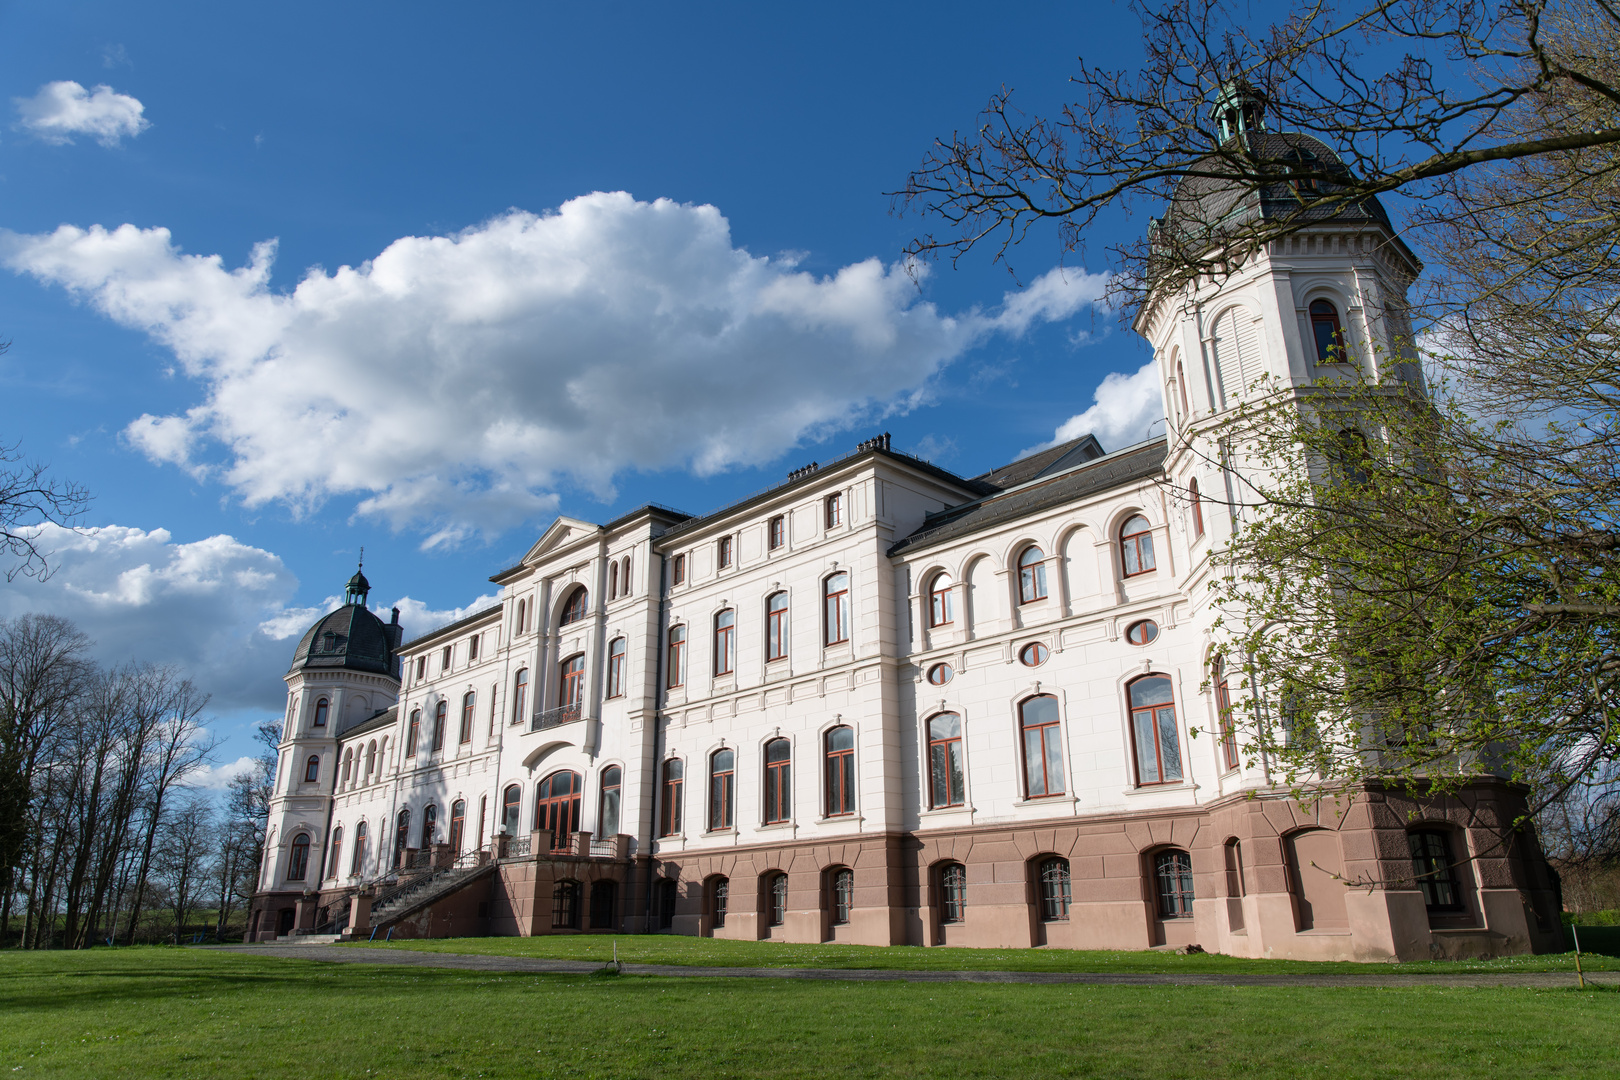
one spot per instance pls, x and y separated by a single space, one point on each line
562 714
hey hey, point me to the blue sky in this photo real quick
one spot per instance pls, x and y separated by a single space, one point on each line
597 255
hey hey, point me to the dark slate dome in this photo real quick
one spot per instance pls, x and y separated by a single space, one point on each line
351 637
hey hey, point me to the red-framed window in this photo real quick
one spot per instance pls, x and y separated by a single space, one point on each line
778 781
412 735
440 712
1327 332
722 790
298 858
430 825
725 641
835 510
1223 714
1043 746
677 656
946 779
556 806
677 571
522 625
571 680
941 601
444 659
321 709
1136 546
472 648
469 706
421 665
776 627
613 580
1031 575
312 769
615 671
777 531
520 697
952 893
579 602
840 756
1153 730
607 811
458 824
674 787
357 861
723 552
511 805
624 577
1172 873
1055 890
836 591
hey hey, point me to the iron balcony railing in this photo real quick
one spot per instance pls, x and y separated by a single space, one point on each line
604 849
518 847
562 714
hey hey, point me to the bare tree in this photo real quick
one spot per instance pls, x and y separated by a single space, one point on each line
181 859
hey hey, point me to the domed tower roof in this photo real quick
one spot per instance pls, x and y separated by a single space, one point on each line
351 638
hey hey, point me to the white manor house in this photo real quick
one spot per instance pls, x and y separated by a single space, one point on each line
887 704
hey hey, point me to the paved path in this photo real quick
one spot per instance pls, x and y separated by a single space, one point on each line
343 954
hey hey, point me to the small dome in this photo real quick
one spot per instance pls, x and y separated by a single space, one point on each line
351 637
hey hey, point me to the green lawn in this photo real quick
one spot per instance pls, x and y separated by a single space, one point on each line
155 1012
712 952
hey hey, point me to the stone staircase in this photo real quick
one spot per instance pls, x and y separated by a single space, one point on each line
413 895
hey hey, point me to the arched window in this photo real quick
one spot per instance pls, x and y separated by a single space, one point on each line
843 895
1223 714
412 733
1136 546
1236 887
776 895
1172 871
673 785
677 570
571 680
472 648
357 863
777 532
520 697
836 591
321 709
624 577
1434 869
604 901
430 826
941 601
382 756
1153 729
719 900
945 778
298 858
1181 384
1043 747
607 817
556 806
840 771
668 895
458 823
1329 337
483 819
1054 884
725 641
494 692
511 803
522 616
1197 504
952 893
613 581
565 905
677 656
722 789
615 671
578 604
444 662
723 552
469 703
334 861
440 712
835 510
371 759
776 627
1031 575
778 781
312 769
421 668
348 765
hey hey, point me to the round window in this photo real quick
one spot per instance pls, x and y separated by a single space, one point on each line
940 674
1140 633
1033 654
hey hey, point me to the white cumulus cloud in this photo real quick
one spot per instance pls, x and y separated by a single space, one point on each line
61 110
219 777
1123 411
454 383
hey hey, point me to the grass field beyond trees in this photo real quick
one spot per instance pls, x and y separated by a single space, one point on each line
179 1013
719 952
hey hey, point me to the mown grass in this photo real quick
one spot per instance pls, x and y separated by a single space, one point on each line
155 1012
717 952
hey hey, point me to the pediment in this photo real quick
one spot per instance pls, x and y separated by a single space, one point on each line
560 535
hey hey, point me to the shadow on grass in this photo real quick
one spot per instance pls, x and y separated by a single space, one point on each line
1603 940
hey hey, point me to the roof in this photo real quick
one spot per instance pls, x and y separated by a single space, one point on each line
351 638
371 723
1052 459
450 627
1043 493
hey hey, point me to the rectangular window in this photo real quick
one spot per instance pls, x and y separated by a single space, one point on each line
670 812
722 790
677 656
1153 729
677 571
837 608
468 706
840 771
1436 875
835 510
421 668
945 772
778 532
725 642
1043 750
615 672
472 648
444 664
776 627
723 552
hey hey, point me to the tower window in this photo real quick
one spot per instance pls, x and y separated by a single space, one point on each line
1328 334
